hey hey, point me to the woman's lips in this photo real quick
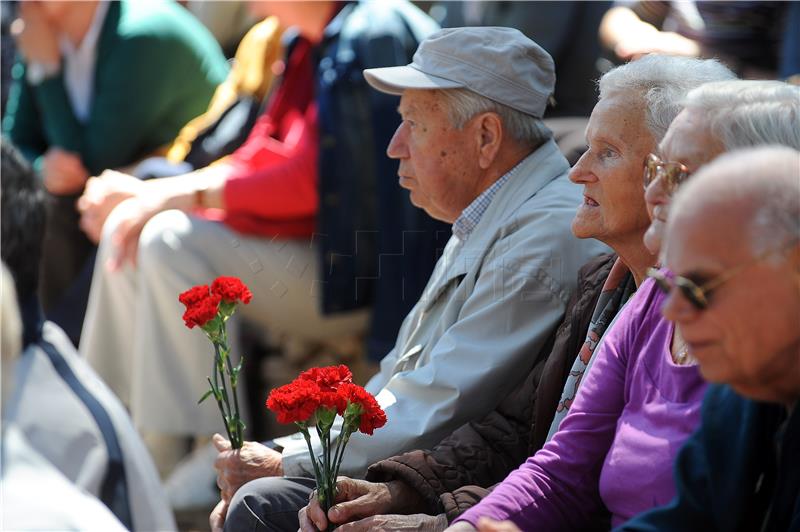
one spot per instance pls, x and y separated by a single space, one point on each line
590 202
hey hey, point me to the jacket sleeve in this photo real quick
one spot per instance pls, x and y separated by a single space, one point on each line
279 179
504 323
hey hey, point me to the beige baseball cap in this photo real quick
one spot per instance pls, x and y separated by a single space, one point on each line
501 64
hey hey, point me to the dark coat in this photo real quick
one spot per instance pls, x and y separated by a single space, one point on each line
459 471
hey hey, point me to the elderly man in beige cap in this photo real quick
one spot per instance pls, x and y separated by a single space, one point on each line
473 152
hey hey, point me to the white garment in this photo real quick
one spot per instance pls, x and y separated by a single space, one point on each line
36 496
79 65
490 306
133 334
49 405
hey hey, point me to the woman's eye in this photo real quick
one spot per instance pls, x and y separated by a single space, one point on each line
605 153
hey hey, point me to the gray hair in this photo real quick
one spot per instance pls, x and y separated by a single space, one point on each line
763 183
662 81
464 104
743 113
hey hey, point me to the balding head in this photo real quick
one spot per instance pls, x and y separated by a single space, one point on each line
736 225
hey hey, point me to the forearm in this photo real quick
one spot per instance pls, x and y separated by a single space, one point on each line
202 188
620 22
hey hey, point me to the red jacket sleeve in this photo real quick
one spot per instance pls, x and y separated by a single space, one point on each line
276 178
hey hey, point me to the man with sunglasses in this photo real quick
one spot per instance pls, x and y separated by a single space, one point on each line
732 252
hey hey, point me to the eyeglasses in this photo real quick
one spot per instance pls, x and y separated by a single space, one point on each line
698 295
673 173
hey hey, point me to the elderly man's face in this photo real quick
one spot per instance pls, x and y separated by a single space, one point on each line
610 171
748 336
438 163
688 141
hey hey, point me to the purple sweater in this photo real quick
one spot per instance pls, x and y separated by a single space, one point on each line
615 449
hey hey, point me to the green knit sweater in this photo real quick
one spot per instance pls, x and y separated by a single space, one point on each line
156 68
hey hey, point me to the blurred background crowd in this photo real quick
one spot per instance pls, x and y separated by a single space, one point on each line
149 146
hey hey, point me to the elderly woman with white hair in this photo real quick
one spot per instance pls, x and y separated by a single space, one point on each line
642 398
637 103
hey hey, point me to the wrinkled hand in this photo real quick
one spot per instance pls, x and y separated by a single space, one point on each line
235 468
416 522
64 172
99 198
36 38
216 520
131 216
359 500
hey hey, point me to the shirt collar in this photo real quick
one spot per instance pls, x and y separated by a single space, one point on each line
469 218
89 42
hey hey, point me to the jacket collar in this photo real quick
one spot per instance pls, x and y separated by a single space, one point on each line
534 173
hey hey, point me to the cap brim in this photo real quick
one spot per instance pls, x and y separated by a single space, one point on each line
394 80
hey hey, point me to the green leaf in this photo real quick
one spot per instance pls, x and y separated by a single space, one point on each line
205 396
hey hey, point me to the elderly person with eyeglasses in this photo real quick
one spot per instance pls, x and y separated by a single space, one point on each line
637 103
732 249
642 398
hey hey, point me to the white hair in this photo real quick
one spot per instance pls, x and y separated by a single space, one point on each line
464 104
743 113
762 185
662 81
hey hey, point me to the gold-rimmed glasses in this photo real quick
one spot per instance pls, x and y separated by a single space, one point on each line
673 173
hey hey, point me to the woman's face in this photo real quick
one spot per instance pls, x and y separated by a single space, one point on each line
613 209
688 141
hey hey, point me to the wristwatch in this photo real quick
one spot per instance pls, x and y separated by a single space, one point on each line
38 72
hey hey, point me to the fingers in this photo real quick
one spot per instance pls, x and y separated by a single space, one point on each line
216 520
220 443
315 517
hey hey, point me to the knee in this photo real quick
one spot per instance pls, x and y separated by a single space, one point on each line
262 504
162 237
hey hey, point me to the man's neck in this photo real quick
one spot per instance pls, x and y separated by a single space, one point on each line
79 19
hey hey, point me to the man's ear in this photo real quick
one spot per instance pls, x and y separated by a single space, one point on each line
490 137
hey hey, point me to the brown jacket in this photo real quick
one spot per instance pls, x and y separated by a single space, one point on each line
458 472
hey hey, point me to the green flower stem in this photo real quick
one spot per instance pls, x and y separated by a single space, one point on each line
219 404
307 436
343 439
234 381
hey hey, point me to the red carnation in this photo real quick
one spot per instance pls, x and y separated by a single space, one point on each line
372 415
201 306
294 402
231 290
328 378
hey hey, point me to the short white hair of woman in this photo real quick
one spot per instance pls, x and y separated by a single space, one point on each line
662 81
743 113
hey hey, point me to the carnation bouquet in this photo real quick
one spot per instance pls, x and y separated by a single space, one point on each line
314 399
210 307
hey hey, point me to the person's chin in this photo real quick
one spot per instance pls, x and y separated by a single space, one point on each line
584 225
652 237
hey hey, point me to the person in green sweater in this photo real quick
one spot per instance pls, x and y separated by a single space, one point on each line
101 84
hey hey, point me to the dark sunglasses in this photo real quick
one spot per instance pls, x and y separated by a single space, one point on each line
673 173
699 295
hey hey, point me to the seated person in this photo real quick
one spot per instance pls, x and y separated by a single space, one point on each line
27 478
101 85
473 152
308 167
641 341
624 126
735 227
59 404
